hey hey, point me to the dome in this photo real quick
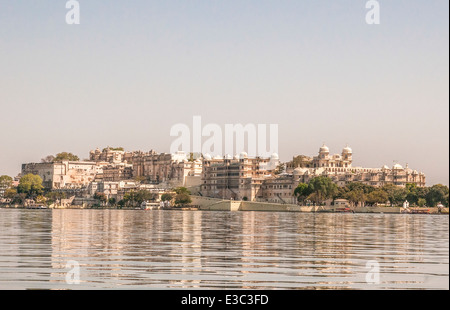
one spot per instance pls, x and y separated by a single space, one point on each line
347 150
324 149
274 156
385 167
397 167
236 156
207 157
228 156
243 155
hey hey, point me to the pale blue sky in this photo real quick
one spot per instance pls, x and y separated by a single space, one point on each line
132 69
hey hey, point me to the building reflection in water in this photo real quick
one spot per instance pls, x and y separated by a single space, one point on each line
255 250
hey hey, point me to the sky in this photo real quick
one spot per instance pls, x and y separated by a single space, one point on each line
132 69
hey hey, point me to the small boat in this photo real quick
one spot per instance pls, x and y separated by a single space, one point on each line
343 210
419 211
415 211
37 207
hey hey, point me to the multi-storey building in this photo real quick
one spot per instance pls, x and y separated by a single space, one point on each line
117 172
167 169
64 174
108 154
173 169
238 177
278 189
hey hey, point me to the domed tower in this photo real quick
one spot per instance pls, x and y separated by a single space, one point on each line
324 152
323 159
347 158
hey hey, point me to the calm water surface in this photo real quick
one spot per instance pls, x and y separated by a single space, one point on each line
221 250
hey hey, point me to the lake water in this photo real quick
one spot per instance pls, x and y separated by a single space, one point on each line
114 249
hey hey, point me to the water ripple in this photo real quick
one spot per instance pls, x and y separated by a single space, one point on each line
221 250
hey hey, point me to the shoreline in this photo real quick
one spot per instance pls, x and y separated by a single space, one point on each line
230 206
213 204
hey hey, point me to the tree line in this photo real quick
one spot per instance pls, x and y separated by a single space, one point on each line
30 187
134 198
323 188
60 157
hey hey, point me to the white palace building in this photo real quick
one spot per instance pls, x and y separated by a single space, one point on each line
339 168
255 179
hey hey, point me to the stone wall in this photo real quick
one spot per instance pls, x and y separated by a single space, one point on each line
213 204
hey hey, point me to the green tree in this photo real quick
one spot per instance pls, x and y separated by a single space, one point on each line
136 198
421 192
55 195
356 192
356 196
66 156
31 185
414 193
113 149
10 193
19 198
5 181
166 197
396 194
182 199
100 197
48 159
421 202
52 196
182 196
437 194
181 190
128 199
377 196
358 186
302 191
322 188
40 199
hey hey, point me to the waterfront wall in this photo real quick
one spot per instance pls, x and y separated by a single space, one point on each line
266 206
213 204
